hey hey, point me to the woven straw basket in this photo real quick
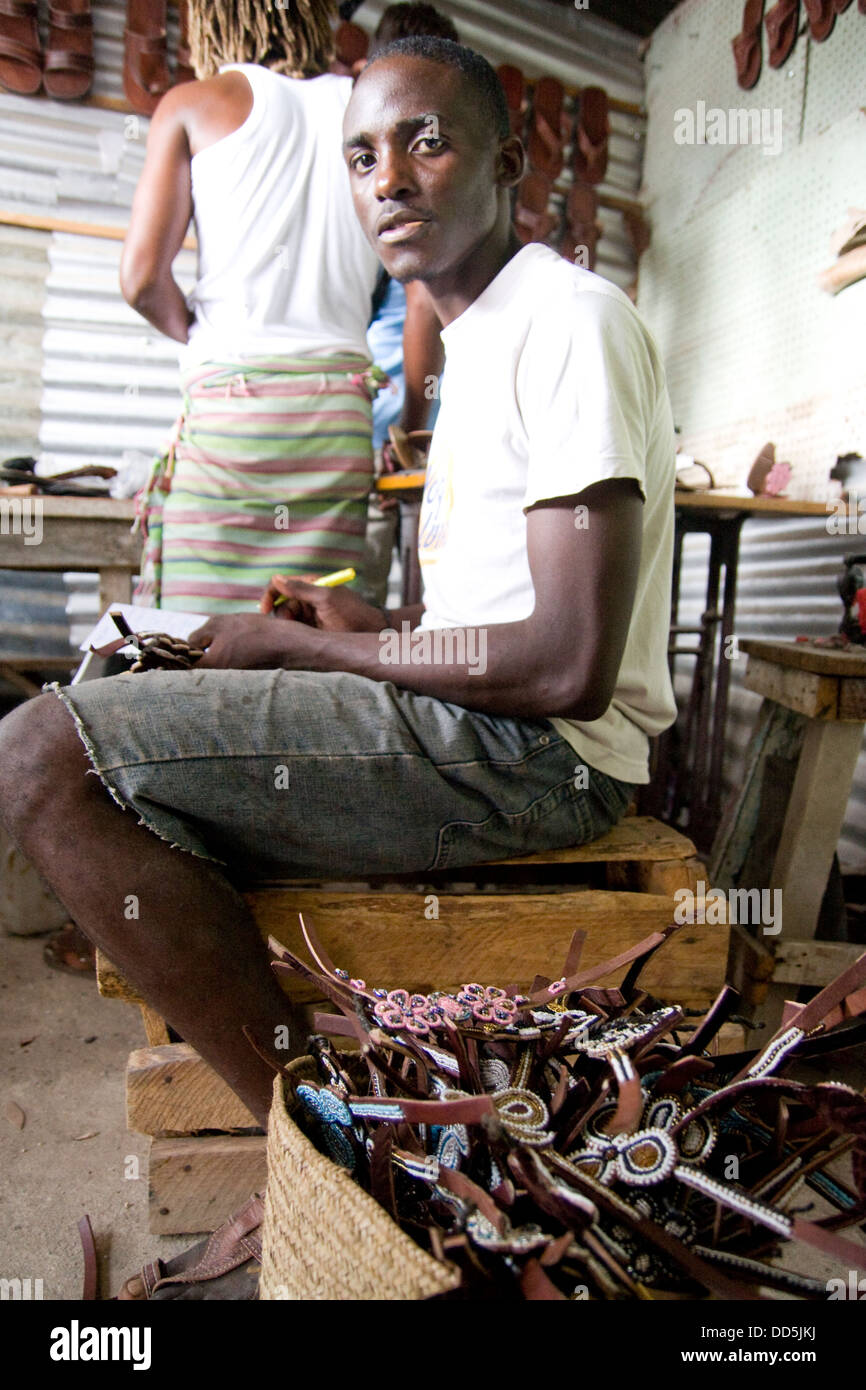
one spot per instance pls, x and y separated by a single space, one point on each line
324 1237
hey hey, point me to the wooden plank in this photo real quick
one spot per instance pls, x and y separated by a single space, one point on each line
155 1027
43 222
112 984
813 962
195 1184
750 966
813 822
496 938
642 838
852 700
107 509
803 656
806 692
81 543
664 877
171 1090
722 501
115 586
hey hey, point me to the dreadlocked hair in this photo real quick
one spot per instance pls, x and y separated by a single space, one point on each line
293 37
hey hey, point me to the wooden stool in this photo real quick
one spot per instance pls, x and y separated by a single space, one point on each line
812 716
513 929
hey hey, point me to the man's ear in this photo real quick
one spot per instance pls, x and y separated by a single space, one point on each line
510 162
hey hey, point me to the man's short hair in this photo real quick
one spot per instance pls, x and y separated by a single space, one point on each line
475 69
404 20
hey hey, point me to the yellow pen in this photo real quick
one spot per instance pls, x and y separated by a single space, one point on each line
327 581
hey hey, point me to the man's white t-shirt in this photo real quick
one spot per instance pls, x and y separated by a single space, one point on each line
552 383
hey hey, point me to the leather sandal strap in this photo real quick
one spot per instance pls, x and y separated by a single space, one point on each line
64 60
234 1243
63 19
145 43
19 52
91 1271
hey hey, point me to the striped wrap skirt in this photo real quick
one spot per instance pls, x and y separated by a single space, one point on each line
268 472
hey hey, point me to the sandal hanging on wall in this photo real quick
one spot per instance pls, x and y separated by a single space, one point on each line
822 17
69 57
146 77
514 86
782 24
582 231
545 135
532 220
20 54
352 43
183 68
591 131
747 45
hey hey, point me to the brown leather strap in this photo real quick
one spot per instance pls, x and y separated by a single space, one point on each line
18 9
64 60
147 44
19 52
64 19
237 1241
90 1291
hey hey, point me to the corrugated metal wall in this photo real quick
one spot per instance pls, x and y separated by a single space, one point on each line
753 348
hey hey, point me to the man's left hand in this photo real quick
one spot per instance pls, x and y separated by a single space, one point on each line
247 641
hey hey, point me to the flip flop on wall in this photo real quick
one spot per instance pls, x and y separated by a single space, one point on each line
747 45
514 86
146 76
592 128
782 24
68 70
545 133
822 17
20 54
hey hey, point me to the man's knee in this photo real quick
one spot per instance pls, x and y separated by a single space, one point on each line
40 751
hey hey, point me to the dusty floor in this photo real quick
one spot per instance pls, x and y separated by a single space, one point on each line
63 1054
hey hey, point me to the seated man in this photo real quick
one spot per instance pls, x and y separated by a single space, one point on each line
329 739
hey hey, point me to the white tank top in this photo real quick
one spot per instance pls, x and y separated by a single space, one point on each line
284 267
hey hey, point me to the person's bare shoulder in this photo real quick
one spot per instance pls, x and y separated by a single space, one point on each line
208 110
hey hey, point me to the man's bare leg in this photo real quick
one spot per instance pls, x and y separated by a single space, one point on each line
193 949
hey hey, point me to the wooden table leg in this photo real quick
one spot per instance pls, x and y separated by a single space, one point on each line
115 586
813 821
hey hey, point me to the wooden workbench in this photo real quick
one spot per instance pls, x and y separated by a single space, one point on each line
81 533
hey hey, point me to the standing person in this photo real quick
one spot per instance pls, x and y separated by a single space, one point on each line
271 464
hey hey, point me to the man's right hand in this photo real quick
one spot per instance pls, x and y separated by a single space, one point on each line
330 610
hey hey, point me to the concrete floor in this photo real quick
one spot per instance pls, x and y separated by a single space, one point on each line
69 1081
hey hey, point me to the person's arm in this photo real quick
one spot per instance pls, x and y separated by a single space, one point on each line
561 661
423 356
161 213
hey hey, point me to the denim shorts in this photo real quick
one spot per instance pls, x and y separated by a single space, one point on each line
298 774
